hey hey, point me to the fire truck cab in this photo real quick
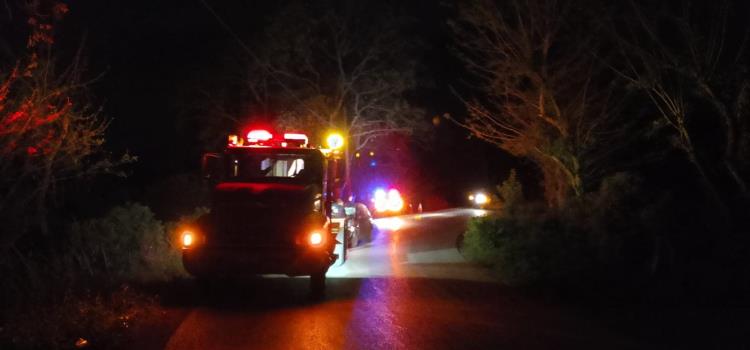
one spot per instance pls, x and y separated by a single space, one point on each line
270 211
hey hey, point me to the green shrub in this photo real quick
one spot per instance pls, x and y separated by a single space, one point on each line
77 285
127 244
525 250
590 241
481 240
511 192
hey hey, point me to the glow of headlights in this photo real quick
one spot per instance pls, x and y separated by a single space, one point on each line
379 194
316 238
380 199
390 224
381 205
395 202
481 198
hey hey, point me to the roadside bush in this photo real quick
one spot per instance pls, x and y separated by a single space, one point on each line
127 244
590 244
511 192
482 239
528 250
80 285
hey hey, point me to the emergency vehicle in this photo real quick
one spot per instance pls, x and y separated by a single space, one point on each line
383 176
271 210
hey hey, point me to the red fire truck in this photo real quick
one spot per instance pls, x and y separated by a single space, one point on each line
271 210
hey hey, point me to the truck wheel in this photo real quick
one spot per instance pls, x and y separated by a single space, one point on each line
318 283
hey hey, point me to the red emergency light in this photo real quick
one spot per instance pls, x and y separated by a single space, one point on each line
255 136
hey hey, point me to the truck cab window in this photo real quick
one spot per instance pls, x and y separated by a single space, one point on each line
256 167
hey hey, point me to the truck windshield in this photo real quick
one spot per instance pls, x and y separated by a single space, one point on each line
265 167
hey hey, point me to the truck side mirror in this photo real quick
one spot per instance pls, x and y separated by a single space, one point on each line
211 166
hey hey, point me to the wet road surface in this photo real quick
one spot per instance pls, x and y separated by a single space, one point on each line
408 289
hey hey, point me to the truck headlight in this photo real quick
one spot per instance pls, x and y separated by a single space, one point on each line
188 239
315 239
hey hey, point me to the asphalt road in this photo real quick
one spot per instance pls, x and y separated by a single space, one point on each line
408 289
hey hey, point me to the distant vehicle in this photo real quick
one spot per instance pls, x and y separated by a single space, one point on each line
480 199
270 212
358 224
385 176
387 202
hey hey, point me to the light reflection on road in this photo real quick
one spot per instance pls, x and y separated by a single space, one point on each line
417 245
389 224
408 288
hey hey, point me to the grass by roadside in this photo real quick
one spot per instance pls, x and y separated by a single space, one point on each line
99 288
125 318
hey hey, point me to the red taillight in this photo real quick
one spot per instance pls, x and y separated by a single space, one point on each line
259 135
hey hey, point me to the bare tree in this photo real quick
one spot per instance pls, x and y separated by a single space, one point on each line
339 70
541 97
49 135
682 59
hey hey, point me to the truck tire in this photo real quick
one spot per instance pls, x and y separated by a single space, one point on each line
318 283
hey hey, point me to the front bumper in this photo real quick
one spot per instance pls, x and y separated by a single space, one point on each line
223 261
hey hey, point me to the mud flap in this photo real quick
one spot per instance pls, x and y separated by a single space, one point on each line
340 250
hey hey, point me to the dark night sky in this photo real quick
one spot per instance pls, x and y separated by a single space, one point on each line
151 51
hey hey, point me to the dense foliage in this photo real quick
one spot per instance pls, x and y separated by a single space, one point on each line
649 188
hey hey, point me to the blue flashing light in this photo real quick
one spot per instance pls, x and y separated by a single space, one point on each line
373 163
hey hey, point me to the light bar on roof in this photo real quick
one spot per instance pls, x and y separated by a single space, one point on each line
259 135
295 136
